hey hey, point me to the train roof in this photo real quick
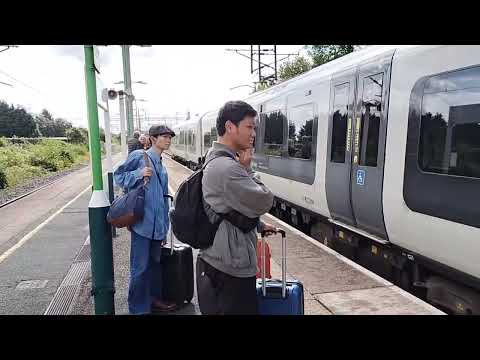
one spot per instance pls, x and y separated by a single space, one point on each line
324 71
321 72
191 122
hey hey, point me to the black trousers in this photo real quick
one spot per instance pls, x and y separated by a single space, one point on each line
222 294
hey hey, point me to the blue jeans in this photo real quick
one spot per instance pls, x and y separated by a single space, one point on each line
145 274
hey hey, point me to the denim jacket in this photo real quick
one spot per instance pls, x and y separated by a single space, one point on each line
155 223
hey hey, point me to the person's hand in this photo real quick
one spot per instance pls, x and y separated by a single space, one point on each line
245 157
269 230
147 171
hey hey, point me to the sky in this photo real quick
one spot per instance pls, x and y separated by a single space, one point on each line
179 78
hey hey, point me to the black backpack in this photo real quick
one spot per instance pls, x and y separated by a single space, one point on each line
188 218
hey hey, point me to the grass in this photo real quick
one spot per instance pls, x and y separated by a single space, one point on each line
20 163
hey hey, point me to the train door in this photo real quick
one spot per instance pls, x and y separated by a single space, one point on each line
337 179
370 132
357 137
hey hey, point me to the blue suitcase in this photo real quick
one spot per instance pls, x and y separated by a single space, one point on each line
279 297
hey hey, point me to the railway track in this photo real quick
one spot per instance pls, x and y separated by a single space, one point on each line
11 201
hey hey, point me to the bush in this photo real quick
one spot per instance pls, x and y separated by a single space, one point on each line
76 136
51 155
19 163
13 155
3 142
79 152
16 175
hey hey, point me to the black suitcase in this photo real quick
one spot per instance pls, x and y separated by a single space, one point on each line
177 271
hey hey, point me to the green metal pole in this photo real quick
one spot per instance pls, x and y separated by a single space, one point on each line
100 231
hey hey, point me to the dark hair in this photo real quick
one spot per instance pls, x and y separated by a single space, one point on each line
235 111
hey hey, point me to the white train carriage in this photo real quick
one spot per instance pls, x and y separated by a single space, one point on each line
186 145
378 154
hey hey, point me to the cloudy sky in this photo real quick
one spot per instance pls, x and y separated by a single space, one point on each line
180 78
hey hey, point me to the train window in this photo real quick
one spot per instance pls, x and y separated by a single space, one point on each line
190 138
193 143
442 157
339 122
181 137
213 134
207 140
450 133
370 114
274 132
300 131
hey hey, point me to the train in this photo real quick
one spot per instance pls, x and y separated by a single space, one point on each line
377 155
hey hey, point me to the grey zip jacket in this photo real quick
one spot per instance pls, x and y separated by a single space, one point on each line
228 185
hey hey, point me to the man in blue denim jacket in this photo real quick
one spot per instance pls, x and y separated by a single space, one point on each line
149 234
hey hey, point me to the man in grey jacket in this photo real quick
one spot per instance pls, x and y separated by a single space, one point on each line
226 271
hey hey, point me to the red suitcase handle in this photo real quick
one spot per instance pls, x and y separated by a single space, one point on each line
284 264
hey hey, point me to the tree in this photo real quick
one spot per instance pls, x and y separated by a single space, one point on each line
61 126
51 127
45 123
322 54
297 66
76 136
16 121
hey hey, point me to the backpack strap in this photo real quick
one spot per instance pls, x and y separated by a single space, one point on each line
207 207
156 171
220 153
237 219
146 179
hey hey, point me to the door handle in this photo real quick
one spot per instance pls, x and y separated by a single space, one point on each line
356 149
349 135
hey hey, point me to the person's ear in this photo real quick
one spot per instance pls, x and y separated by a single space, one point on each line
229 126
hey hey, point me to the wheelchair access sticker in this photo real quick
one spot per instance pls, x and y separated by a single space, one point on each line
361 177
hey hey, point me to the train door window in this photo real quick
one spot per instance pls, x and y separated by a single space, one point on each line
300 131
274 132
371 109
450 133
207 141
181 137
339 122
213 134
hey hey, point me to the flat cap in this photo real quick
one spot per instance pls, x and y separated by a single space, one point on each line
156 130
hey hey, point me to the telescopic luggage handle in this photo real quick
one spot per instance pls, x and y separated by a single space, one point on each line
170 197
284 264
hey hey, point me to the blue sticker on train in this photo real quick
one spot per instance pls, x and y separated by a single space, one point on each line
360 177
